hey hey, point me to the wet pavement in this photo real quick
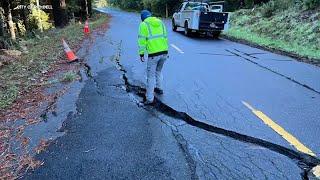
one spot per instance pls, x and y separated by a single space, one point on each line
210 87
110 137
200 128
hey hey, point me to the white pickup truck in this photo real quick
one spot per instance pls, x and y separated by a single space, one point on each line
198 17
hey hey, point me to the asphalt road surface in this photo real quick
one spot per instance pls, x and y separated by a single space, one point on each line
229 111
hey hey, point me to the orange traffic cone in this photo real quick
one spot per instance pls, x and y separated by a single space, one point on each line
70 55
86 29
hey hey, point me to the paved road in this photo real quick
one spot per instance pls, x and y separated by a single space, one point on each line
210 82
103 141
201 127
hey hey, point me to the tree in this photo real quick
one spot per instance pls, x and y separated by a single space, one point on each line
1 21
311 4
161 7
86 8
10 21
60 15
24 14
100 3
127 4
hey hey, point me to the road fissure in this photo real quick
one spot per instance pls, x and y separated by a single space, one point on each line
275 72
304 161
216 54
254 57
185 148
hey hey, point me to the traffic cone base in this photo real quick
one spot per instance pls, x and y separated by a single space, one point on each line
69 53
71 56
86 29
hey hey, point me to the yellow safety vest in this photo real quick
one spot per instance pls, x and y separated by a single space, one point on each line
153 38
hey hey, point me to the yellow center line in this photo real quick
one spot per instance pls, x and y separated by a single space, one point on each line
316 171
282 132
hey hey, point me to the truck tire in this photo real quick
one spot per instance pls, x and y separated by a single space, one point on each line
174 26
187 31
216 34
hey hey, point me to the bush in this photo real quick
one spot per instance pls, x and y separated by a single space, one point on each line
268 9
8 95
311 4
38 19
69 77
5 42
280 24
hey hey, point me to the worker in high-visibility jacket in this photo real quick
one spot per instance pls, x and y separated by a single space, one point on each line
153 41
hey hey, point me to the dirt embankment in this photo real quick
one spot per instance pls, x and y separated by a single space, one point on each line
24 79
293 31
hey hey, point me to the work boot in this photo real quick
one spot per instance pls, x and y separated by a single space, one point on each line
158 90
148 103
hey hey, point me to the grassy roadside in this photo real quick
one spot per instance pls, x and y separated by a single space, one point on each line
19 76
293 32
23 96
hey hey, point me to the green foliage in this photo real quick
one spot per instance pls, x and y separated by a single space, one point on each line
8 95
1 21
5 42
158 7
232 5
127 4
100 3
69 77
311 4
268 9
293 29
38 19
73 6
20 75
272 7
21 28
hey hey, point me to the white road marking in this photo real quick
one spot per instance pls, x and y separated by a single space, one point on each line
248 105
176 48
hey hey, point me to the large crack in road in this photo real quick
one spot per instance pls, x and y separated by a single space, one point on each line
303 161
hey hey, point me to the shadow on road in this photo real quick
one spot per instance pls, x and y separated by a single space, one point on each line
200 37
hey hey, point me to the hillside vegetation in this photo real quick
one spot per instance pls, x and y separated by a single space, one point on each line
287 25
30 40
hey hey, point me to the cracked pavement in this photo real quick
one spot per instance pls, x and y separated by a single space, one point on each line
197 130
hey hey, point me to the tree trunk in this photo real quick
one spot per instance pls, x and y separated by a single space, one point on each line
24 15
60 15
167 11
1 22
87 9
39 14
10 23
242 4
